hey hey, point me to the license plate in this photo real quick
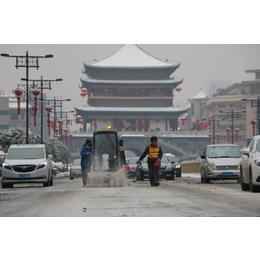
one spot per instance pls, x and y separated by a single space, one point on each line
160 173
24 176
227 173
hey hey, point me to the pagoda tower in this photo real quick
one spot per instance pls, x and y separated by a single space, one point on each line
131 90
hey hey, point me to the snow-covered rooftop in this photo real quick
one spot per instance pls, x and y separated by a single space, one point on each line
132 109
199 95
131 55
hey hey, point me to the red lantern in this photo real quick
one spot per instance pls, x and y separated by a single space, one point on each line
157 120
106 89
143 90
60 123
35 91
79 117
178 89
157 90
83 94
183 121
237 131
119 90
65 133
48 108
77 121
228 131
253 123
18 94
70 136
104 120
210 135
217 136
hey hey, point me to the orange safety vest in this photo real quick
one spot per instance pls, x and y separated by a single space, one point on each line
154 152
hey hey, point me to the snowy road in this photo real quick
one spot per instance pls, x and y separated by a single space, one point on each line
184 197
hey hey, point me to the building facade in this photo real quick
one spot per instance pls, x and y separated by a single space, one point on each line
131 90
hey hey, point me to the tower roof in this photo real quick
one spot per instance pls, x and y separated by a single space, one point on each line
199 95
131 55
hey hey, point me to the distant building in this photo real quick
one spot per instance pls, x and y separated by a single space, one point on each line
131 90
4 114
232 101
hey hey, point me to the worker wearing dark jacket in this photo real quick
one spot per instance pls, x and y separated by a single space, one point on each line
86 160
154 153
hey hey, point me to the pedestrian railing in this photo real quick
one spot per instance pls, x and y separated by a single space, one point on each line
192 166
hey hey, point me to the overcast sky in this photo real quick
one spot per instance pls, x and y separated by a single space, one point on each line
200 64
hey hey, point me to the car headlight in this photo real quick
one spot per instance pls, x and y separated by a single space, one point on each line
42 165
257 163
177 166
7 166
212 166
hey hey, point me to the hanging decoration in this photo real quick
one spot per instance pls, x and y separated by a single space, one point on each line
217 136
178 89
210 135
143 90
157 120
48 108
18 94
253 123
183 119
119 90
106 90
228 131
35 92
237 131
104 120
157 90
70 136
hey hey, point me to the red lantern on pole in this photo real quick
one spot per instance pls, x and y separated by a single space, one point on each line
143 90
178 89
83 94
70 136
183 122
57 131
228 131
217 136
157 90
18 94
48 108
210 135
60 123
36 92
253 123
237 131
65 133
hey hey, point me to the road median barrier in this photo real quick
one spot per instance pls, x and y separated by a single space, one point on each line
192 166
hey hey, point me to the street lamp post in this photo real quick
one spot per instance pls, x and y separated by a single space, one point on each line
45 84
27 62
56 103
255 103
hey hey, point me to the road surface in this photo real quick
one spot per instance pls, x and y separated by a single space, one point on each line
184 197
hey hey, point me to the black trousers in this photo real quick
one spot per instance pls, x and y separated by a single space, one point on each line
153 174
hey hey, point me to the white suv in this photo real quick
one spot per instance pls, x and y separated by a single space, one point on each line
250 166
27 164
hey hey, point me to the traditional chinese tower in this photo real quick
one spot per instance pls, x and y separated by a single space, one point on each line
131 90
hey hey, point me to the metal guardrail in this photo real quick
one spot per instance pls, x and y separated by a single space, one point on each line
192 166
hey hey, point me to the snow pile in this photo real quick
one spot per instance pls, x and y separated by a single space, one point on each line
107 179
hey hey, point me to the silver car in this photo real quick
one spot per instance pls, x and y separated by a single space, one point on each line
27 163
220 162
75 169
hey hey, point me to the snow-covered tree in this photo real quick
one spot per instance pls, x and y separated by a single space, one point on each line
17 136
59 151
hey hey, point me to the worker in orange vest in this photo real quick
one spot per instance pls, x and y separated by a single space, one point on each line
154 152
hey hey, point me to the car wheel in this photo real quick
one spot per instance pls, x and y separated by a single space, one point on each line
51 181
202 180
173 177
71 178
244 186
253 188
207 180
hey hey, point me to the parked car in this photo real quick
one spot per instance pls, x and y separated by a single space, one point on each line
27 163
166 170
220 162
132 167
250 166
175 164
75 169
2 158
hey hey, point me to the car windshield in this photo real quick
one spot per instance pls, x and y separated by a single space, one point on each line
164 159
76 163
25 153
224 152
